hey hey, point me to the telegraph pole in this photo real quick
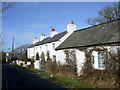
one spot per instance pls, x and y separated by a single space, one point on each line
12 46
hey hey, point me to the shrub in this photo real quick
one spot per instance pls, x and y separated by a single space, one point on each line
48 57
13 58
108 77
43 63
37 56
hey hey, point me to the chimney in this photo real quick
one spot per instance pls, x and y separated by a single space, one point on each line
71 27
35 40
42 37
53 32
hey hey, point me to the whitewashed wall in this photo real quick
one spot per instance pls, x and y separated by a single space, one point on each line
80 59
28 63
111 49
30 52
60 57
37 64
95 55
49 47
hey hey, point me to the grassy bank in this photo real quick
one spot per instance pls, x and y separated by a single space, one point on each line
69 82
22 67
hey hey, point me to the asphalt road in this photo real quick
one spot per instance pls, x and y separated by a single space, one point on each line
21 79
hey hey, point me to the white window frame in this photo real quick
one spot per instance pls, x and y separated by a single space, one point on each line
100 58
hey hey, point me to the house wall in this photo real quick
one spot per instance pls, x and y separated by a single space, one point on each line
37 64
112 49
30 53
71 27
60 57
47 47
80 56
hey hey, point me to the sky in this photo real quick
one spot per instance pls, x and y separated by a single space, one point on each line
26 20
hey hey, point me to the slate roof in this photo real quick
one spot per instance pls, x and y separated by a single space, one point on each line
32 45
49 39
106 33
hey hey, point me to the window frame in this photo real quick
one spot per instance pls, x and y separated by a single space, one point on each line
101 59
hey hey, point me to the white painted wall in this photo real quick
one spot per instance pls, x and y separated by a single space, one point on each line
60 57
71 27
30 52
37 64
7 55
111 49
80 59
28 63
95 55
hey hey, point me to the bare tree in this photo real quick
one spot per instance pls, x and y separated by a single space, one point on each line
71 61
6 5
106 14
43 59
21 49
3 7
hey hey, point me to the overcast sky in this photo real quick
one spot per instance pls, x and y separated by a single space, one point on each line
25 20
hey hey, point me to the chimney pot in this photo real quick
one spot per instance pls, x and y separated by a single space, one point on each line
35 40
53 32
42 37
71 27
53 29
72 22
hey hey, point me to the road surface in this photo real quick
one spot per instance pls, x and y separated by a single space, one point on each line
14 77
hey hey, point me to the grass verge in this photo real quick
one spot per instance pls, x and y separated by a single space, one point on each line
23 67
68 82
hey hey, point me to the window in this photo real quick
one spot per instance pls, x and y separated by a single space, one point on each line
46 47
101 59
53 45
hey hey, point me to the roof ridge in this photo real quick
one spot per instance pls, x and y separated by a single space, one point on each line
95 35
96 25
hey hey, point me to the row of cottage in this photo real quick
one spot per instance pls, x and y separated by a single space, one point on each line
98 40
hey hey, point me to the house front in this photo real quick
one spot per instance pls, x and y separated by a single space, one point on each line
46 45
98 45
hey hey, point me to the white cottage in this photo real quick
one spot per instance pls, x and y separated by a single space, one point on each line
97 43
49 44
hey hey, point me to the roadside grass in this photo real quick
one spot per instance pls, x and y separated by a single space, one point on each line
69 82
22 67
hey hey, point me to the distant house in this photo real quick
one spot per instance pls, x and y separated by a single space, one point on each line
48 44
100 41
